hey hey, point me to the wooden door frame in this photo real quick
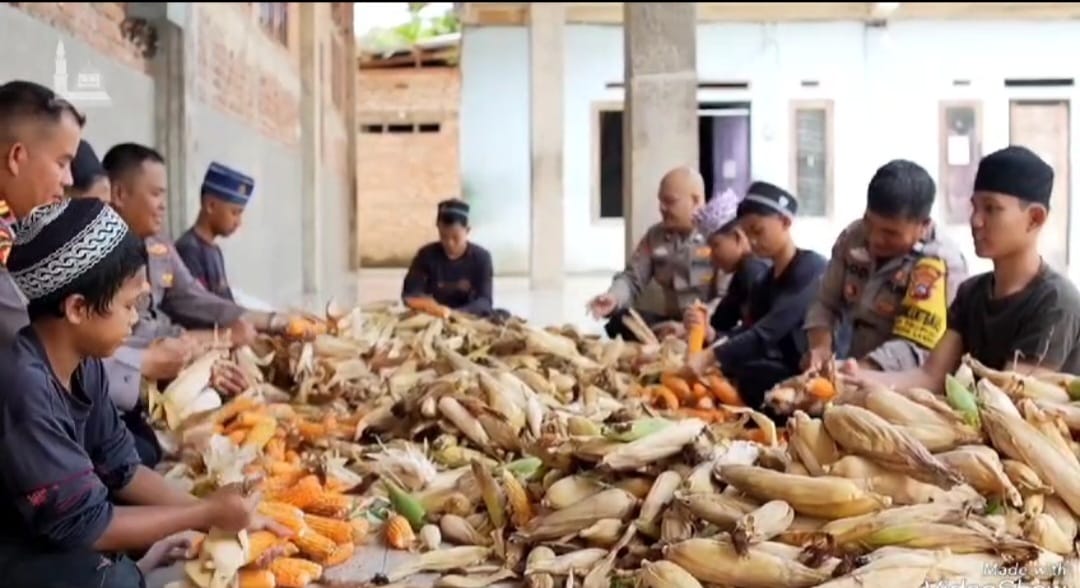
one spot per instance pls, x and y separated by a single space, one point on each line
1055 101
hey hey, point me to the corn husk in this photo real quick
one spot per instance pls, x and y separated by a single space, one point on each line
826 497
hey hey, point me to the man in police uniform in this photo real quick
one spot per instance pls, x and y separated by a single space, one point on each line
38 130
225 194
160 346
674 254
891 278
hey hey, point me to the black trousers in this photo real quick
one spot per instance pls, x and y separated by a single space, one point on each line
69 569
615 327
146 443
754 378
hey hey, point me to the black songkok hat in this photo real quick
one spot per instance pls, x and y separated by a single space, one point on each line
771 197
86 167
1018 172
453 210
59 242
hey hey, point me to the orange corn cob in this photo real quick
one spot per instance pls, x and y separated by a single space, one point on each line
257 579
292 457
399 533
335 485
252 417
342 553
665 398
275 449
291 572
302 494
259 543
261 433
283 468
275 484
284 514
333 529
311 431
678 386
313 545
234 408
237 436
331 504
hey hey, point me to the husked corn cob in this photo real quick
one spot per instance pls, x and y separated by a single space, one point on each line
331 504
259 543
717 562
341 554
256 579
335 530
399 533
260 433
302 494
825 497
665 574
275 485
284 514
275 449
314 546
521 511
291 572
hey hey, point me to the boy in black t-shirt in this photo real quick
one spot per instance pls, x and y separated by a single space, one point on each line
1023 310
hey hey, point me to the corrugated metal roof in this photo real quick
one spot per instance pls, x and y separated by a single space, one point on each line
430 44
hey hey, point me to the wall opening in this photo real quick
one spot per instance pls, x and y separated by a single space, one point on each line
723 152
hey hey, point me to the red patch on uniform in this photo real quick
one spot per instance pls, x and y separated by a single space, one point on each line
38 497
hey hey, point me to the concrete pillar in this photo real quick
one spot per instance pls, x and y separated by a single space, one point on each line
173 70
546 55
311 145
660 122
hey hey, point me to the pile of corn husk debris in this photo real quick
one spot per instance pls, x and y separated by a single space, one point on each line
508 454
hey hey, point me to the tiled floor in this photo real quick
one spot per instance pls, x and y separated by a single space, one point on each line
544 307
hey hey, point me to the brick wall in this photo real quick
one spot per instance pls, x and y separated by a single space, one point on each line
95 23
402 176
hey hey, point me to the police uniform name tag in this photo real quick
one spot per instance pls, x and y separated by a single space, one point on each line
922 316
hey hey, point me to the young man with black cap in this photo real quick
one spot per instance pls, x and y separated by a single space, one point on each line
39 135
76 495
225 194
1023 310
453 271
891 277
88 177
770 345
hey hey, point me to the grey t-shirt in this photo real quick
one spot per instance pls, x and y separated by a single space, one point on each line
1039 324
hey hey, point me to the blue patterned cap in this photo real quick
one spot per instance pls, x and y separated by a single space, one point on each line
227 184
717 213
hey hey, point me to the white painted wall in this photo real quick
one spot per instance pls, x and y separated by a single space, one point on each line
886 85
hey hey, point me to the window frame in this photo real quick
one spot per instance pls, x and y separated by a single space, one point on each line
945 213
598 107
828 105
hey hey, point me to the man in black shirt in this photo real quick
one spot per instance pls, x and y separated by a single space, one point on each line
1023 310
769 347
453 271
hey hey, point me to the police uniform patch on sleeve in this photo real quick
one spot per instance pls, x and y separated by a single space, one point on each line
167 279
922 317
5 244
158 249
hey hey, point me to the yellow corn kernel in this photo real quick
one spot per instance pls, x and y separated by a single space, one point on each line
281 468
313 545
335 485
283 514
259 543
331 504
335 530
237 436
275 449
311 431
251 417
301 494
342 553
261 433
399 533
236 407
256 579
521 511
291 572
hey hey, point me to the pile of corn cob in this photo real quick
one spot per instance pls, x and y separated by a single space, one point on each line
509 454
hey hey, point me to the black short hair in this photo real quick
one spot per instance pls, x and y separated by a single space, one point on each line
21 100
125 158
901 189
98 286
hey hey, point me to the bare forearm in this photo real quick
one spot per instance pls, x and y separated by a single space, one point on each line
820 338
139 527
148 488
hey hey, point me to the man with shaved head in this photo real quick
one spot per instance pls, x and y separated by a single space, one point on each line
673 253
39 135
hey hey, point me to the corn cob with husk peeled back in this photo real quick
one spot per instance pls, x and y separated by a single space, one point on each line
655 447
609 504
665 574
864 433
771 519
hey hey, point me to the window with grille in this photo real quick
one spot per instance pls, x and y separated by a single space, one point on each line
812 155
